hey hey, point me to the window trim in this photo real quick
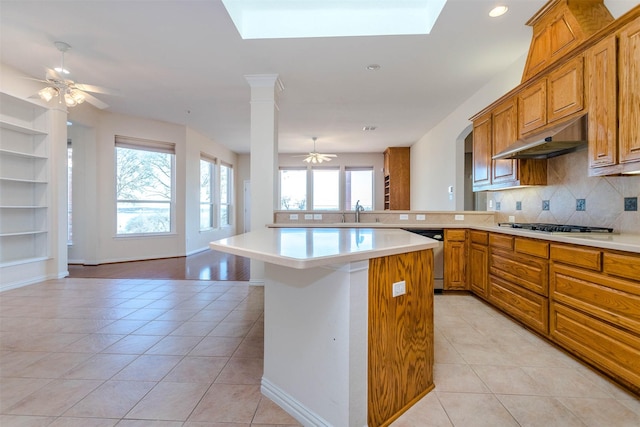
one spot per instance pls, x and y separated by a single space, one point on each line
230 196
153 146
213 168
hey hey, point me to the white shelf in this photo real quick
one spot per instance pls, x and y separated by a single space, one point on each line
24 181
24 190
22 155
16 127
24 233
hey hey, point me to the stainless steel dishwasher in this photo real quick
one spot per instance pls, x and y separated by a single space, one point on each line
438 255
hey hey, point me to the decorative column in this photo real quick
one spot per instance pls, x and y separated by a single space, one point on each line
264 156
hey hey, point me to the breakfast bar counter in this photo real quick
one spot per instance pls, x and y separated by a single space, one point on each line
348 321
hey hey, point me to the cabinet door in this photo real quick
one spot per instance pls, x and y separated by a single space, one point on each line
455 259
482 152
505 133
532 107
566 90
478 263
601 84
629 72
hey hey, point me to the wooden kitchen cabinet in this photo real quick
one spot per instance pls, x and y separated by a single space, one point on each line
397 174
601 86
595 309
492 132
629 75
518 279
455 259
479 262
505 133
559 95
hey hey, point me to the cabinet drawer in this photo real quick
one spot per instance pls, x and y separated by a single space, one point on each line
582 257
455 235
622 265
501 241
611 349
530 273
479 237
532 247
614 300
528 307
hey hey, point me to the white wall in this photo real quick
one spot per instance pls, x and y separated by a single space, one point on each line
95 240
437 159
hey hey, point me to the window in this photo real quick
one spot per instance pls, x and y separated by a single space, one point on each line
144 186
207 188
226 194
326 189
358 186
69 193
293 189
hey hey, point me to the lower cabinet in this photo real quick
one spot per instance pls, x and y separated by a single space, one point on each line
595 309
479 263
455 259
518 279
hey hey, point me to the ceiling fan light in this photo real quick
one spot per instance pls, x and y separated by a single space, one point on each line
68 99
46 94
77 96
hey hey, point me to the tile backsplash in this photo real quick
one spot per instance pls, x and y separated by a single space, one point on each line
572 197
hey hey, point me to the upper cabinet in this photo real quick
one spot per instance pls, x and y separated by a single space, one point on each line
613 91
559 27
630 95
582 64
397 174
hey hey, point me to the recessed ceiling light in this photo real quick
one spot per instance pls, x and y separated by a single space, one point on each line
62 70
367 128
498 11
373 67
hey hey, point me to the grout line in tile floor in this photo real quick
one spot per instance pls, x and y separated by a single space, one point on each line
107 352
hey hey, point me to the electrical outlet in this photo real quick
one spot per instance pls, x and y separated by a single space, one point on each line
399 288
512 218
458 217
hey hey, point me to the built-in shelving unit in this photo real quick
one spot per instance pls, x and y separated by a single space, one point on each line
24 178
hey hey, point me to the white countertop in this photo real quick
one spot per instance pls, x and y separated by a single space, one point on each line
313 247
621 242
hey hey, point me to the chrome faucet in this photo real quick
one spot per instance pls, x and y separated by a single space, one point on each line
359 208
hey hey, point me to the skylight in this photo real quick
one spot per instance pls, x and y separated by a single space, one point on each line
260 19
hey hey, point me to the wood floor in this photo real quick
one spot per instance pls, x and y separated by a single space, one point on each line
206 265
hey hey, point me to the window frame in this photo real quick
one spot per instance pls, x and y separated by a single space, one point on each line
152 146
213 212
229 204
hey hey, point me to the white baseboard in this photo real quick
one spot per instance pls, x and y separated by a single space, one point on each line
291 405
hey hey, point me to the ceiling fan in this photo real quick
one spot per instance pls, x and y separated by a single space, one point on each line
315 157
68 91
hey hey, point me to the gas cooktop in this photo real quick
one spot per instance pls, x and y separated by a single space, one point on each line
556 228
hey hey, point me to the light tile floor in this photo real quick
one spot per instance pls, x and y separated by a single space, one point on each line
106 352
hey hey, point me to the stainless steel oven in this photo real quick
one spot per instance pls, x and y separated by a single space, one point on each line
438 255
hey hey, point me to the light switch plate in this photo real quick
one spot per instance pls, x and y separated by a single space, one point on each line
421 217
459 217
317 216
293 217
308 216
404 217
399 288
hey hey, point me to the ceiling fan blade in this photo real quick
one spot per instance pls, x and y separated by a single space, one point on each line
94 101
52 74
96 89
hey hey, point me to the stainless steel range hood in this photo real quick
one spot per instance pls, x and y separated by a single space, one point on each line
564 138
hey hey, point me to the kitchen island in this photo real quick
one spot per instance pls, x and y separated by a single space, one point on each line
340 349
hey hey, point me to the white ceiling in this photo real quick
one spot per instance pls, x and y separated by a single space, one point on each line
170 57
